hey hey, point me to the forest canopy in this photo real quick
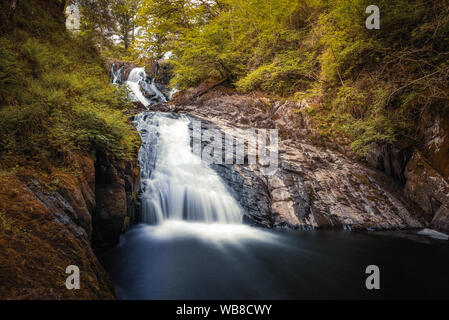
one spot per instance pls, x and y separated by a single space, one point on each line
368 86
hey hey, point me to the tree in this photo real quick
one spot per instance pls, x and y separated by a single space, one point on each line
166 22
124 13
96 17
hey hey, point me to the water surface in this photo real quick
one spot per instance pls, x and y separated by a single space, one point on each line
187 260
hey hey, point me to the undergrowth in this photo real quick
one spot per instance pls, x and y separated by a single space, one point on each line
55 98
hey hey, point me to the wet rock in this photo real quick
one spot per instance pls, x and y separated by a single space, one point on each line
433 234
115 184
429 190
440 220
315 186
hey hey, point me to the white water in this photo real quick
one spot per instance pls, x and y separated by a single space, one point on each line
136 94
196 247
433 234
138 81
175 183
116 75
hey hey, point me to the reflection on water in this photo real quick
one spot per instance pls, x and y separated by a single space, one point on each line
186 260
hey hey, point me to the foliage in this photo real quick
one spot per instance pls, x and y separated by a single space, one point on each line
366 85
97 20
164 22
124 13
55 99
370 85
110 24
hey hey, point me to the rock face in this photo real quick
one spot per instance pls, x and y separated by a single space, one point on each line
47 224
315 186
116 185
318 189
392 159
433 137
422 167
429 190
428 171
74 199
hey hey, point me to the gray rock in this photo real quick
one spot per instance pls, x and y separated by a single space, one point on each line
314 187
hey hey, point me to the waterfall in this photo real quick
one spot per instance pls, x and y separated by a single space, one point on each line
172 92
175 183
142 88
116 75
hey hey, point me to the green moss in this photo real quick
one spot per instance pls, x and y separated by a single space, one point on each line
55 98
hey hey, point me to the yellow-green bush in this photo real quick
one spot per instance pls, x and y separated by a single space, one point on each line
370 85
55 97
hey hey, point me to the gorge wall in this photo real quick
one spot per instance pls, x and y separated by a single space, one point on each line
60 196
317 185
46 228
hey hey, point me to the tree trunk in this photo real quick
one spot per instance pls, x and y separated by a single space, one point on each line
132 33
64 4
125 34
126 42
12 9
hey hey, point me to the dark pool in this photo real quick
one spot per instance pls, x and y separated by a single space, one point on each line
182 260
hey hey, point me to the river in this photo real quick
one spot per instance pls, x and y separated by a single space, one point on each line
192 244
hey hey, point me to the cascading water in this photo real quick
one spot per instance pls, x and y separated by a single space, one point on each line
175 183
192 244
116 75
142 88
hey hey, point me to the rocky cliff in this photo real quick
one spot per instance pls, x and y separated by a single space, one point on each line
316 184
50 221
116 207
422 166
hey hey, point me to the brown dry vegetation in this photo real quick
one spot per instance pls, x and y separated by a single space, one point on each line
35 248
57 113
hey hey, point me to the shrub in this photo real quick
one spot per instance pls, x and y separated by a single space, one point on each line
55 98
